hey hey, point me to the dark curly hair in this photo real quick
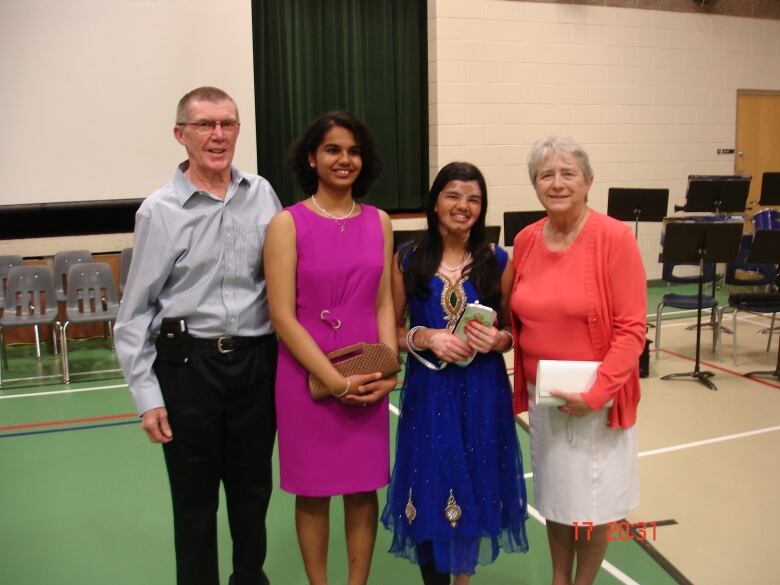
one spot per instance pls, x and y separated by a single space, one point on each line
424 262
307 143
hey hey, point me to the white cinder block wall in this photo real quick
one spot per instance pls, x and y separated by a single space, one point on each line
651 95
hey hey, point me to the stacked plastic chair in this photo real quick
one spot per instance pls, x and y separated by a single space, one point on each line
92 298
30 301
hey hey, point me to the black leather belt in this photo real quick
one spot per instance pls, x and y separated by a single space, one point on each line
228 343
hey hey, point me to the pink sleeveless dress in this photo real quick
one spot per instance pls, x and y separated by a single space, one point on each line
326 448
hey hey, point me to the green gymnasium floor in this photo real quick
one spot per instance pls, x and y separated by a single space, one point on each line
84 498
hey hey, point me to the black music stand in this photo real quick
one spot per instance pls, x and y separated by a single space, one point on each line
493 233
637 205
402 236
716 193
697 243
770 189
766 249
515 221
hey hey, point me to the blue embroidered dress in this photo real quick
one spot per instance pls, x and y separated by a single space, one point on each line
456 445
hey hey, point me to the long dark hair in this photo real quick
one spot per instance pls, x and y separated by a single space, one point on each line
307 143
427 251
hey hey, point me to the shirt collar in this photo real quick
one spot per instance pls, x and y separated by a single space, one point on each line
185 189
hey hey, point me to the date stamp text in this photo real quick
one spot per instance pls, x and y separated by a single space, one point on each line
639 531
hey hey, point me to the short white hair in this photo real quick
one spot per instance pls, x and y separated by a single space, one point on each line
553 145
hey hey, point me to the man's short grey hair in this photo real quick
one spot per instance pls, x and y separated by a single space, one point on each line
562 146
201 94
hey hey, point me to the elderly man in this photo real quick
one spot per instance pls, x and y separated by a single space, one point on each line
196 345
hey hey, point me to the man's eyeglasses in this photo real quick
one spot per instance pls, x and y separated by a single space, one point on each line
205 127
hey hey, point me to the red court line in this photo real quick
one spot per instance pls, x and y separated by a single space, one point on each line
722 369
67 422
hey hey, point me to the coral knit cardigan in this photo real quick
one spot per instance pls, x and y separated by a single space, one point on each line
616 290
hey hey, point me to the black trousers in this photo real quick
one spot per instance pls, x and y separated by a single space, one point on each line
221 411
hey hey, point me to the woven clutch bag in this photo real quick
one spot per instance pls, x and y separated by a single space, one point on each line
359 358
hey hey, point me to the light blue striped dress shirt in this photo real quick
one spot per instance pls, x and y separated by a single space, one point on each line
197 257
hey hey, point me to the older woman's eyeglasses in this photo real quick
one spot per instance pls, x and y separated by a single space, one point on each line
205 127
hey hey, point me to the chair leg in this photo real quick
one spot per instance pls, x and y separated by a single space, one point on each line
37 342
5 357
734 337
714 325
771 331
720 336
2 348
658 329
64 352
110 325
55 333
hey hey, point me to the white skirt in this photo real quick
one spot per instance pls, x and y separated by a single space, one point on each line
584 471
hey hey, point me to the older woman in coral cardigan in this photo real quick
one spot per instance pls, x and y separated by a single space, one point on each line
579 294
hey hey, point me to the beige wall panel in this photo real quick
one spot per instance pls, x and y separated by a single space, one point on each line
650 94
90 88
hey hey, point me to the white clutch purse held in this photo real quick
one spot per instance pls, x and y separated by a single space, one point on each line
566 375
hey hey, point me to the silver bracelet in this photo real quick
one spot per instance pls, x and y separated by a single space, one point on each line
346 390
410 338
511 340
413 349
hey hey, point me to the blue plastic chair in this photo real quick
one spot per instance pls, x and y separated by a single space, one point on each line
740 273
688 302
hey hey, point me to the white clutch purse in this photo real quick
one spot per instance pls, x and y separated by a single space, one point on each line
566 375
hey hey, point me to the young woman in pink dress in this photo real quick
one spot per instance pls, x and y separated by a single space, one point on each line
327 262
579 294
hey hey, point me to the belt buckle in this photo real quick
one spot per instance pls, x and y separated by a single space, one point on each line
220 341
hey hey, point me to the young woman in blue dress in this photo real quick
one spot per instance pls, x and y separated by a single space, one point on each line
457 493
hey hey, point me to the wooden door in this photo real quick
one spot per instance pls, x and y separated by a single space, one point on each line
758 139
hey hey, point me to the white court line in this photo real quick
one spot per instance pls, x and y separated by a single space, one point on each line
73 375
709 441
534 513
68 391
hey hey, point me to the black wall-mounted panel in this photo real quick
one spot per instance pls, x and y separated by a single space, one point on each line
44 220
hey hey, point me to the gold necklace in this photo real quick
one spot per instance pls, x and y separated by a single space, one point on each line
460 266
340 221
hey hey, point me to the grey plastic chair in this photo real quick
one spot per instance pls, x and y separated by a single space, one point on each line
6 263
62 263
30 301
125 257
92 298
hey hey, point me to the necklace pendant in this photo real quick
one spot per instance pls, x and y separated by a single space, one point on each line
342 226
